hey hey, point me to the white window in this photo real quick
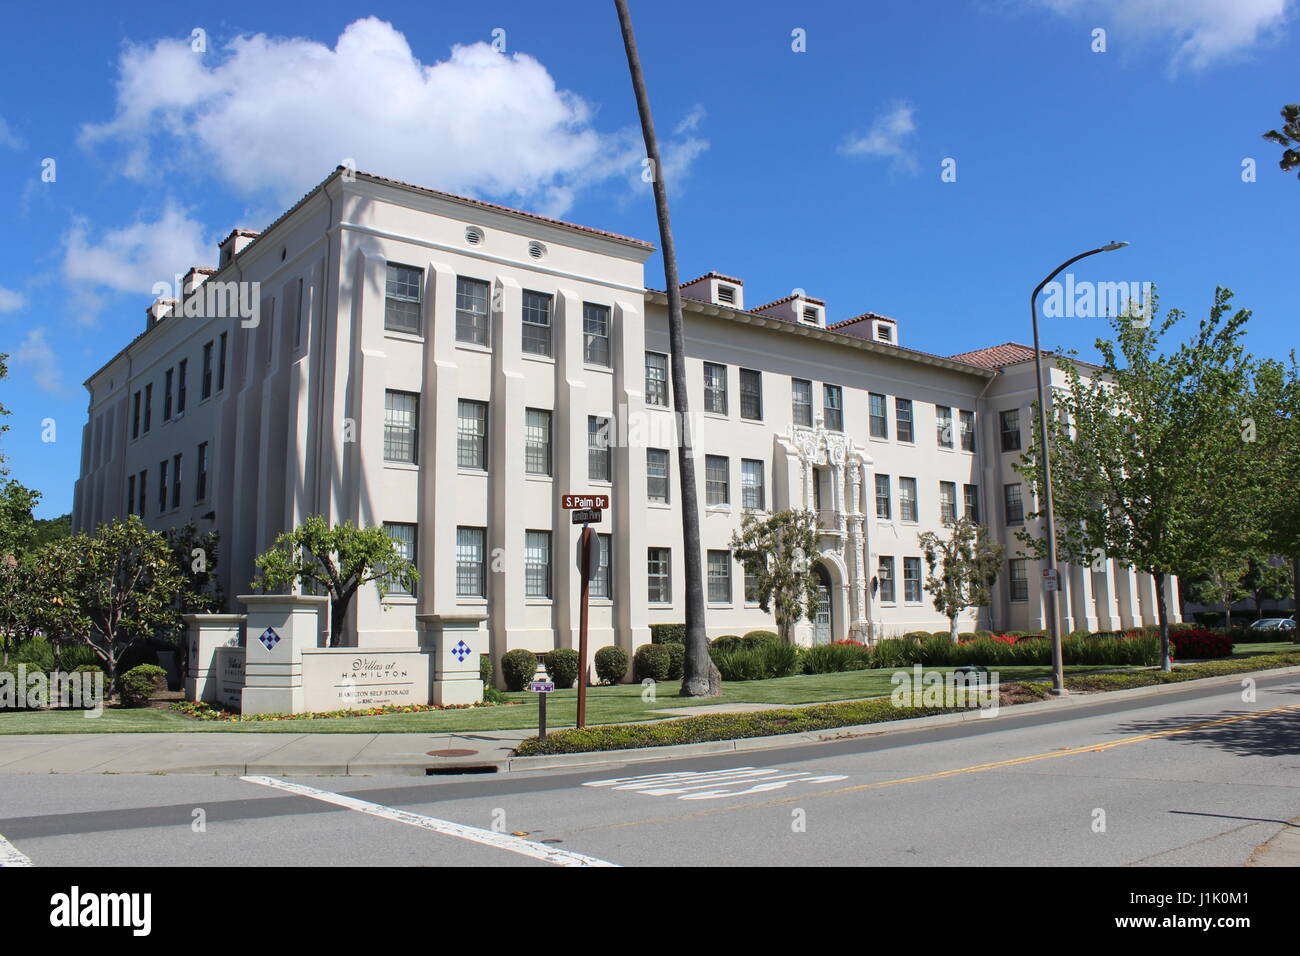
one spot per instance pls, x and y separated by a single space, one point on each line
1014 504
912 579
656 473
659 571
537 564
471 562
833 407
720 577
471 435
402 298
884 508
751 394
967 431
403 536
971 494
595 327
599 457
943 425
879 424
472 311
947 502
753 491
1019 580
717 480
537 323
715 388
801 401
656 379
537 441
885 576
907 505
903 418
601 586
401 425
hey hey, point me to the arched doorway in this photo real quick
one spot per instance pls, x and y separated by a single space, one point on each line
823 620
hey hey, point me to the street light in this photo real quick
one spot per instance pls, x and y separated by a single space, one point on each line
1053 623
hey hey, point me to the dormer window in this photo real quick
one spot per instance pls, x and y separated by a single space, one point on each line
727 294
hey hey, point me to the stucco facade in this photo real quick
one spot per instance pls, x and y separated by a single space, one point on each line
406 338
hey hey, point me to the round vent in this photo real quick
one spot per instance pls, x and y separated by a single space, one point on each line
536 250
474 235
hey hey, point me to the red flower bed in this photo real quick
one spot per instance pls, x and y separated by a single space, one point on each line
1199 644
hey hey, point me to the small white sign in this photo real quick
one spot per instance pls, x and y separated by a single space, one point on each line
541 686
1050 580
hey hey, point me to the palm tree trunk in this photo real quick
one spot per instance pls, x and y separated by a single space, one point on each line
1162 613
700 678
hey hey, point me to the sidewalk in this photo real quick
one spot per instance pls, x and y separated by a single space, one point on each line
245 753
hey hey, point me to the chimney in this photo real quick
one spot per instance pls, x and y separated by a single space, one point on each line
193 279
870 325
717 289
234 244
797 307
158 311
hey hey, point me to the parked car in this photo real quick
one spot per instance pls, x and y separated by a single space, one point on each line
1284 625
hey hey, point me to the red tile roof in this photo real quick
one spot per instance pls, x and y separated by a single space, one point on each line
998 356
713 275
768 305
855 327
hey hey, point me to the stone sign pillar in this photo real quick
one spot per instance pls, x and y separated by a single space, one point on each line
455 642
279 628
205 633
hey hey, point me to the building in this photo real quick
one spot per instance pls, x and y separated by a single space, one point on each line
384 353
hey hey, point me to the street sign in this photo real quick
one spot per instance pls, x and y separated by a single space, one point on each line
584 502
589 515
541 686
1050 580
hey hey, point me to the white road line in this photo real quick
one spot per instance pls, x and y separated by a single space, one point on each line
501 841
9 855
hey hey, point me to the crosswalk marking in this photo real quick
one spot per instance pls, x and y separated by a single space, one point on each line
714 784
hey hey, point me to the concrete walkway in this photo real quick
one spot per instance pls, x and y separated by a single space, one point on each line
264 753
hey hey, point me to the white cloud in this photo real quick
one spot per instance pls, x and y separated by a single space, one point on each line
273 115
11 301
8 138
1205 31
134 257
35 357
889 137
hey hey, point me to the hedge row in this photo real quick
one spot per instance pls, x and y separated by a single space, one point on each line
1186 672
707 727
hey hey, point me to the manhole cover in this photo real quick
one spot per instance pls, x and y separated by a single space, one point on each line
453 753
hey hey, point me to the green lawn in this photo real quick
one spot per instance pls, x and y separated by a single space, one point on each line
605 705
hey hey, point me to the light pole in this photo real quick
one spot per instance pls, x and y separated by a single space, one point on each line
1053 622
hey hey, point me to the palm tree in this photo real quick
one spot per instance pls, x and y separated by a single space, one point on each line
700 678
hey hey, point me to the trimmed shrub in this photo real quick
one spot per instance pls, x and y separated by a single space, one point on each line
676 660
611 664
727 642
518 667
492 696
485 672
967 636
762 637
652 661
562 667
1200 644
667 633
916 635
140 683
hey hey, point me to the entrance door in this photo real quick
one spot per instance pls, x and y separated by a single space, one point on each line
822 623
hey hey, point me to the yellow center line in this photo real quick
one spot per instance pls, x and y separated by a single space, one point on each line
977 768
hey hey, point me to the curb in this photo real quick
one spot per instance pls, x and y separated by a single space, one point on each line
470 766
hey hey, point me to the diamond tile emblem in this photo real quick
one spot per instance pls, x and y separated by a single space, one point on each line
269 638
461 651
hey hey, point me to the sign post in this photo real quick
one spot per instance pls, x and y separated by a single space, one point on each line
586 509
542 688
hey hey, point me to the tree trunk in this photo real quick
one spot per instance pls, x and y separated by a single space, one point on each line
952 628
338 610
1163 616
700 678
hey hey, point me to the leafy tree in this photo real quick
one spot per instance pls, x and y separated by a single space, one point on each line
18 529
109 590
1147 455
1274 424
962 569
1222 584
777 553
337 560
51 529
1288 137
195 554
18 603
1266 581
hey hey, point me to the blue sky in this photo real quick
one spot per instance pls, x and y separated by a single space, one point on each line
818 169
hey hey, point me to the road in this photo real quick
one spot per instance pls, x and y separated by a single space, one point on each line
1196 778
